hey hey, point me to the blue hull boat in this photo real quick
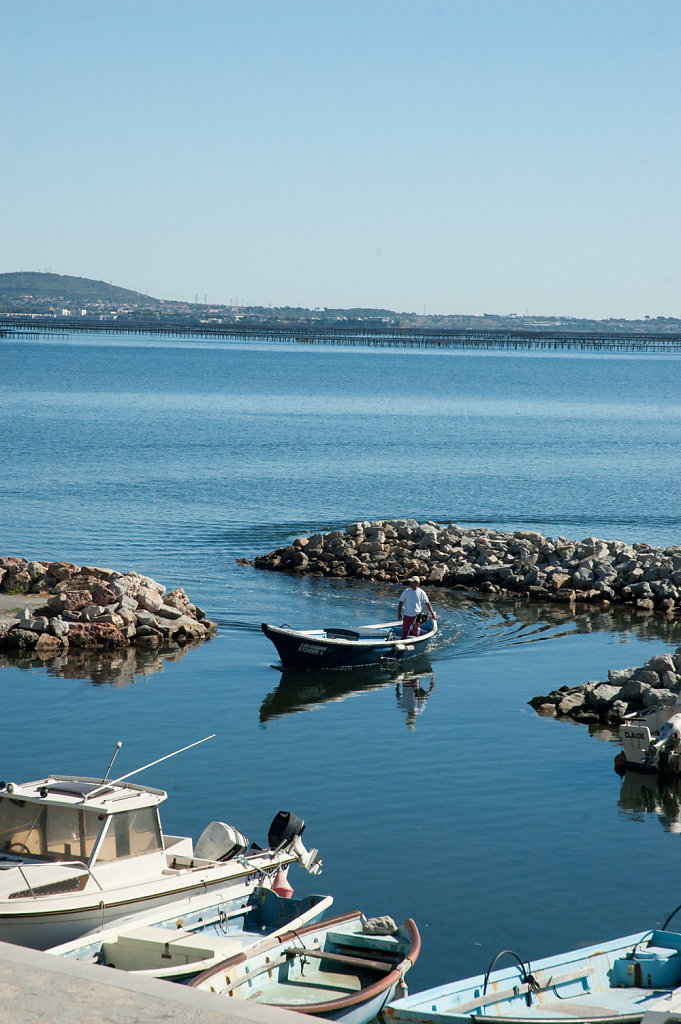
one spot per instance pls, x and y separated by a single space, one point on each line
184 938
617 982
333 647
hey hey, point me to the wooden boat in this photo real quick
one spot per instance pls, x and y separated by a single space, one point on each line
651 742
334 647
336 969
615 982
183 938
77 853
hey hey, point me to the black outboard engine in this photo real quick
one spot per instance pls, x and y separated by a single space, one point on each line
284 828
284 834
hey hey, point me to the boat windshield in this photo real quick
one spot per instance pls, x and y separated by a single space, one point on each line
47 831
130 834
62 833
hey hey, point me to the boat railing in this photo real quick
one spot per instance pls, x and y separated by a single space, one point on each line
62 864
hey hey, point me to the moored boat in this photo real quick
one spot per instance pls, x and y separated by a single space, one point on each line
77 853
345 968
615 982
651 742
336 647
183 938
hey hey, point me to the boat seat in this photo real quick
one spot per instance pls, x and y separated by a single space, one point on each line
146 947
361 941
341 634
338 958
501 995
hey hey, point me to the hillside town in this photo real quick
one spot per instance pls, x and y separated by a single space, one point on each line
43 297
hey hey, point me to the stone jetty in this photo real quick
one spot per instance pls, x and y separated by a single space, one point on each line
489 562
524 564
71 606
655 684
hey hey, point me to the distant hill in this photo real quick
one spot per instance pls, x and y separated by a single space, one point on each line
33 289
35 294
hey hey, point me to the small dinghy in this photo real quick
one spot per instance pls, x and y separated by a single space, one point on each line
344 969
335 647
184 938
617 982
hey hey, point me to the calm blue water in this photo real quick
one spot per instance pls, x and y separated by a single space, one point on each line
492 827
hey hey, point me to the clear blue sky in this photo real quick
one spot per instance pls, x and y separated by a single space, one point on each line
452 156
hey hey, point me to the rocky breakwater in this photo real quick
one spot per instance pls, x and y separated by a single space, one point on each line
656 684
85 606
490 562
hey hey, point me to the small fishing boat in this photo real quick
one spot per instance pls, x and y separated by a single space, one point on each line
77 853
334 647
651 742
183 938
345 968
616 982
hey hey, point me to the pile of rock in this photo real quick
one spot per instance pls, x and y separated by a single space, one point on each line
489 562
86 606
656 684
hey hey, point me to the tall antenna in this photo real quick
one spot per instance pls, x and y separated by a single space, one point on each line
151 764
115 755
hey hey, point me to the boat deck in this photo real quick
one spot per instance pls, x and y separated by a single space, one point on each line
309 989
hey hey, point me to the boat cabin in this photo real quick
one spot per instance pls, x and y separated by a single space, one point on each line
69 820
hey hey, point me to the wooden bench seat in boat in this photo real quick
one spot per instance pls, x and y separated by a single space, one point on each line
520 990
338 958
359 940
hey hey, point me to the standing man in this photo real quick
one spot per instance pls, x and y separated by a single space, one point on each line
412 600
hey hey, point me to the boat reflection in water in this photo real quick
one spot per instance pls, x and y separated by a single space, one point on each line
306 691
648 794
412 692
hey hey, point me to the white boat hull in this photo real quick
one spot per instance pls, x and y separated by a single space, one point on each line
44 922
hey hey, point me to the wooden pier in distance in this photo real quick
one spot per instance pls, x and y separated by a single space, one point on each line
357 334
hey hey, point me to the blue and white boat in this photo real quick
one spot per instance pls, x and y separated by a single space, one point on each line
616 982
189 936
339 969
336 647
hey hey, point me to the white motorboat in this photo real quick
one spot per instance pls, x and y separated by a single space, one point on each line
651 741
181 939
77 853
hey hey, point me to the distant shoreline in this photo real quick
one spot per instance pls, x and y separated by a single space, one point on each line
361 334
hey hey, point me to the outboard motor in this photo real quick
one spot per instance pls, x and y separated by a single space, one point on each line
284 833
665 752
219 841
285 827
670 733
